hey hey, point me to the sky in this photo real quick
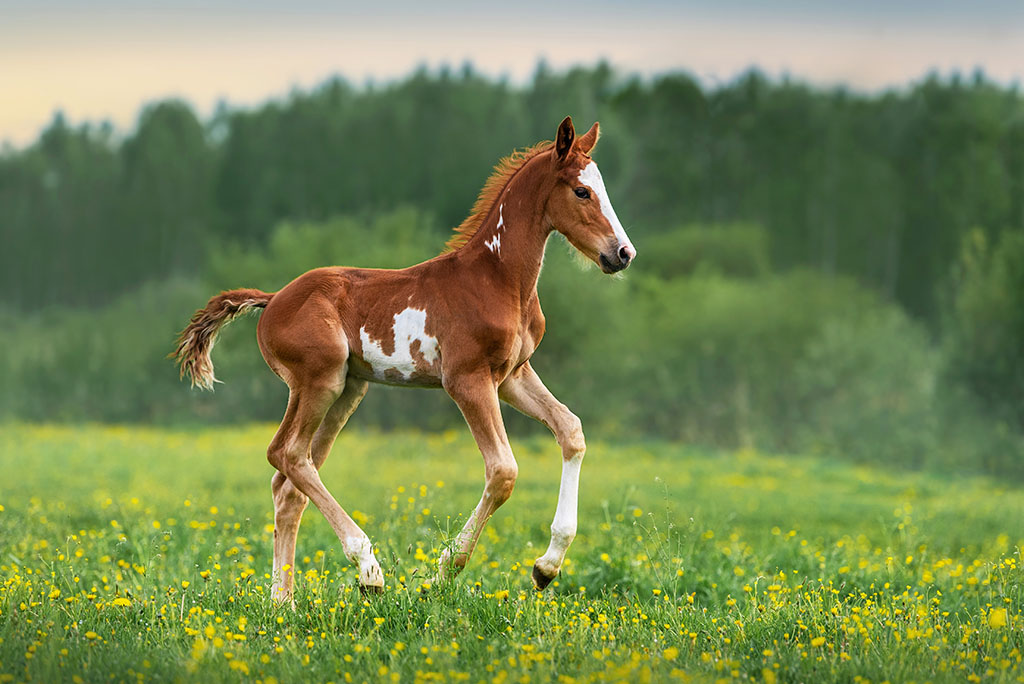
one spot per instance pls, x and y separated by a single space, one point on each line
105 59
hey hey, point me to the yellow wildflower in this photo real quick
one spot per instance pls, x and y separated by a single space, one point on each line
997 618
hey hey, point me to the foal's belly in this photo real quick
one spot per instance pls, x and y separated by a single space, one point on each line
404 354
401 375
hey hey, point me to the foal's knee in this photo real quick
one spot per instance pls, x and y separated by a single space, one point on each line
277 456
501 480
571 438
288 460
287 497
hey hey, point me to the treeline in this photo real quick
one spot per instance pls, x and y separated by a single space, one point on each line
819 271
716 349
881 188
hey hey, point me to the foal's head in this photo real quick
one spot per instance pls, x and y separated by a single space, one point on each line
579 207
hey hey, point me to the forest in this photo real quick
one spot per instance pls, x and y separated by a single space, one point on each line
820 270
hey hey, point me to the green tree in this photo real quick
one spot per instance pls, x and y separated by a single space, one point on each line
167 212
985 323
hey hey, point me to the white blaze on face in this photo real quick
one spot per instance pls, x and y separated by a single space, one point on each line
410 326
591 177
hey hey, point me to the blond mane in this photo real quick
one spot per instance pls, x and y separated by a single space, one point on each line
503 172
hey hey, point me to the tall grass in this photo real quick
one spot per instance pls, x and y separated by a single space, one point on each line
135 553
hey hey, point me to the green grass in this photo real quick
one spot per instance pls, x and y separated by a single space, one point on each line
132 554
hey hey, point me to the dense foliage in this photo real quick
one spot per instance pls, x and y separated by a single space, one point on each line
986 323
879 187
820 271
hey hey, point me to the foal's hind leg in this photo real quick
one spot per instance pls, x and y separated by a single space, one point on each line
525 391
291 453
289 502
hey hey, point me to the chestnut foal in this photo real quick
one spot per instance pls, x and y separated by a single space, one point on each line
467 320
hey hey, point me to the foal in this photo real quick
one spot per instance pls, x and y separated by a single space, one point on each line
467 320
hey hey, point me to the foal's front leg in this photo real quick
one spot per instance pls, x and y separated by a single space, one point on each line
525 391
477 398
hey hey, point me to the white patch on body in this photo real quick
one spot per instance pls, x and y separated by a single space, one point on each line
494 244
563 527
410 326
591 177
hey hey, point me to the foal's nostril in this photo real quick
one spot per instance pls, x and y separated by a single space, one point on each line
626 253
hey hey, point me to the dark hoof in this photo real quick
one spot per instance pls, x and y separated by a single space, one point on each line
370 590
540 580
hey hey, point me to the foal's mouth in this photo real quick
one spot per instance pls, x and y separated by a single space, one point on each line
608 267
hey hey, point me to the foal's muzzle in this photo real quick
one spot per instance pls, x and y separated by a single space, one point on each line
618 260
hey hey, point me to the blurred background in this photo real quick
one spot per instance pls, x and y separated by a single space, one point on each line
827 200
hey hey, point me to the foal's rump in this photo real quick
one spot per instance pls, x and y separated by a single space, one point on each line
301 334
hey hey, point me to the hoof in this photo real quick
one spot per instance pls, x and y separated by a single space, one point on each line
370 590
540 580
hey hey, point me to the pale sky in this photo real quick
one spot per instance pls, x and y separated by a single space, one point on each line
105 59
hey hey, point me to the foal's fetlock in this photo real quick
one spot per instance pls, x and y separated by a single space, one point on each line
450 565
360 551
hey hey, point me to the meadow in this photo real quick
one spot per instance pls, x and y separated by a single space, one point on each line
143 554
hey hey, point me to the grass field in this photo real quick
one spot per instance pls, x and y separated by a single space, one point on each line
131 554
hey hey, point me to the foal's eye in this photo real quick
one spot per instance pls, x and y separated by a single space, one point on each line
582 193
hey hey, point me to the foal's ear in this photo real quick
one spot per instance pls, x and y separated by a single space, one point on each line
564 138
586 142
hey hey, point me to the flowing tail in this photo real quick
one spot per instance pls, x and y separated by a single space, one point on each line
197 339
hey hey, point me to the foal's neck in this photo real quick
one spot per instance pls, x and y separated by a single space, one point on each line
509 245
